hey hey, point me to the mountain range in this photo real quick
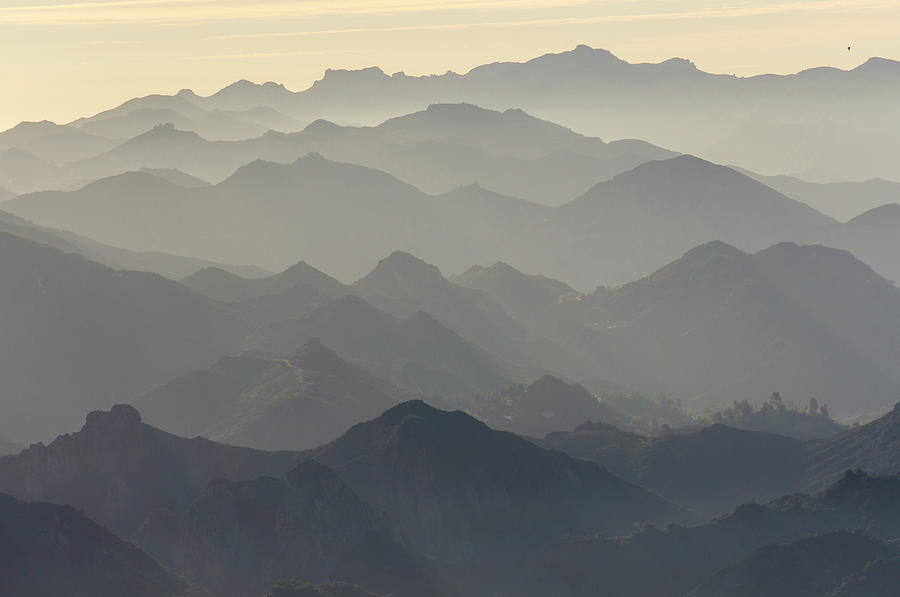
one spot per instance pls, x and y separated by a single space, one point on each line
714 468
675 204
421 501
774 124
738 552
437 149
78 335
457 494
672 331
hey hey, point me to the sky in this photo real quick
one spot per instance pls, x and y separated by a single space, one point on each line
62 59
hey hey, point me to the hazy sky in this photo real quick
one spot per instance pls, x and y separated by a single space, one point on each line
63 59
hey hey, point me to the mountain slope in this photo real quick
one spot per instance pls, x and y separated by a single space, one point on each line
65 319
874 447
873 237
841 200
677 204
173 267
709 470
239 537
53 142
418 352
48 550
794 309
402 284
24 172
458 488
683 558
227 287
301 401
806 568
118 470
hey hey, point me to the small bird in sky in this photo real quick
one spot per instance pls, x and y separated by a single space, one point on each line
848 48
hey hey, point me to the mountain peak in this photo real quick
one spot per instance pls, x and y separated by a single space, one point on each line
321 125
363 75
400 269
889 212
878 64
713 247
27 125
165 131
588 51
121 416
313 352
679 63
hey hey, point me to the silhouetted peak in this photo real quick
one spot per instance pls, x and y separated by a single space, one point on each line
833 259
679 64
501 267
888 212
314 354
187 94
131 180
402 268
460 107
299 268
584 50
712 248
420 410
687 160
339 75
241 84
255 172
880 65
552 382
119 417
321 126
41 125
20 155
165 131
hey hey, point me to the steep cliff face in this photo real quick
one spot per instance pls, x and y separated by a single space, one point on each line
117 470
242 536
48 550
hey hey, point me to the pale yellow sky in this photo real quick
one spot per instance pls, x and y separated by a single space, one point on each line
65 59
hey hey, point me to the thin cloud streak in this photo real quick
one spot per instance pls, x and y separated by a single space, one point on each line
187 11
720 13
273 54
